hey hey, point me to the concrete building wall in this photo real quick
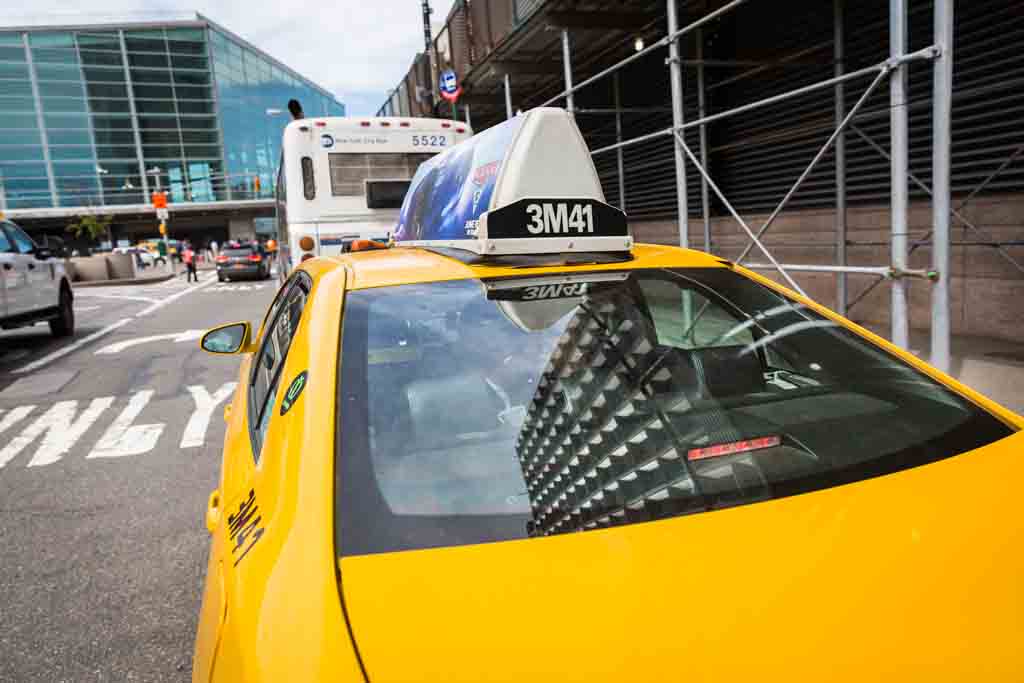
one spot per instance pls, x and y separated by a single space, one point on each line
987 292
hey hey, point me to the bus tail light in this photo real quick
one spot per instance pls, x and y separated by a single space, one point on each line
306 243
222 259
445 124
385 123
460 129
255 258
364 124
404 124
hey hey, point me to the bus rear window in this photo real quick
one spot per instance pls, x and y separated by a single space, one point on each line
386 194
350 171
476 411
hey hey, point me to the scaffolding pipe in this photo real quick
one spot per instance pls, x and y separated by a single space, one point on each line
881 271
817 157
622 110
839 56
900 324
955 211
570 100
705 204
672 37
508 97
926 53
618 138
714 188
676 79
942 92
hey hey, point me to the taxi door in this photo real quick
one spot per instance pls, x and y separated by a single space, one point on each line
249 495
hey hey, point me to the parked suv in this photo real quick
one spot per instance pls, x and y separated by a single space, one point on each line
35 284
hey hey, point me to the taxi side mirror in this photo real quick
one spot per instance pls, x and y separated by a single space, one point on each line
228 339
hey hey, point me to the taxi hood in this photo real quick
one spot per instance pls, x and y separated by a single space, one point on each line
909 576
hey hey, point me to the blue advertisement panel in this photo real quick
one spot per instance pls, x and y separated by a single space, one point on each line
455 187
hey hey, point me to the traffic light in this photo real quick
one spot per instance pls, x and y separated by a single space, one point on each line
256 184
163 228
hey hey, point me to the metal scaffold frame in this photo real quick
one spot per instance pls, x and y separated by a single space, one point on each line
940 53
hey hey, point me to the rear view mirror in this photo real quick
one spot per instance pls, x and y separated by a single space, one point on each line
227 339
42 253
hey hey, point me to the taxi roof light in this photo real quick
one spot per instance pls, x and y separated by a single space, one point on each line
541 195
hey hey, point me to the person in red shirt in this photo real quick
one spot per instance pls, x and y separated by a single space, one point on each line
189 257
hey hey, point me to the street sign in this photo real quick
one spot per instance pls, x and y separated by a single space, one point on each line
449 85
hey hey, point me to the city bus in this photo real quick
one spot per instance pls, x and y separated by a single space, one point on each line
344 178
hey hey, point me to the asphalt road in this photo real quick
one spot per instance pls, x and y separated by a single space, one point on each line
109 446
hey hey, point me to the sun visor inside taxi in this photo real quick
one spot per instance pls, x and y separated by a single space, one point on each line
526 186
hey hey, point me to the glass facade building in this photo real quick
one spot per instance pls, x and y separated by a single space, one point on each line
100 115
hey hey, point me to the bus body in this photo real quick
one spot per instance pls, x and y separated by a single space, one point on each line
344 178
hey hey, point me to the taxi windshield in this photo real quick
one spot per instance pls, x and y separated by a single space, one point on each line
472 411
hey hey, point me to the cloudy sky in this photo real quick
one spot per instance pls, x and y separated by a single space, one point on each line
358 49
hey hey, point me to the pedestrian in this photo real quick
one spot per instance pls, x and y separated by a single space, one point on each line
189 257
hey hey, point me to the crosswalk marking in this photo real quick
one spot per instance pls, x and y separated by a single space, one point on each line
235 288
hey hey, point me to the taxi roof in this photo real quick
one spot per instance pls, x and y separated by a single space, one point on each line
409 265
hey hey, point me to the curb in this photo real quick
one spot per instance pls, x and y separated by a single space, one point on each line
123 281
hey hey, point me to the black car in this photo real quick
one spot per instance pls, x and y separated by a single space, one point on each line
247 261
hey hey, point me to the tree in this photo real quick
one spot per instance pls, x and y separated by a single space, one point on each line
92 227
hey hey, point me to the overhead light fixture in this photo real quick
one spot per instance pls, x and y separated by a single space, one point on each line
638 44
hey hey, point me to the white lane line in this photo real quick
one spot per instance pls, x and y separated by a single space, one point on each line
70 348
174 297
81 309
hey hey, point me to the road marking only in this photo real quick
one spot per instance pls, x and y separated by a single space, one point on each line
62 425
176 337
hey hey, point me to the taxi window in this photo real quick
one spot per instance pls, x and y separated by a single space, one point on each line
476 411
283 321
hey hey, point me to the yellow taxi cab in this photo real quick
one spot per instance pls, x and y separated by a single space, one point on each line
516 446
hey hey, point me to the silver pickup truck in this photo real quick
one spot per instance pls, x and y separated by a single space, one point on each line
35 284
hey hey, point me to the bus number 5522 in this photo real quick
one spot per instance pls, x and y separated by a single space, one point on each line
429 141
